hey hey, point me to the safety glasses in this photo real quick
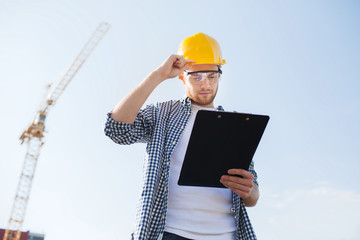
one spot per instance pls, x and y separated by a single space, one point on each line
199 77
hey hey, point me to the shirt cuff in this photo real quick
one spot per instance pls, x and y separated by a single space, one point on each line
116 127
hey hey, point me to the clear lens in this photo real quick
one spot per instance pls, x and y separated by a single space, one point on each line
199 77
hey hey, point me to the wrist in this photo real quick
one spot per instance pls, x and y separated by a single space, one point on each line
253 197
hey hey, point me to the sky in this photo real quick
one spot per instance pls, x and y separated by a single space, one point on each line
296 61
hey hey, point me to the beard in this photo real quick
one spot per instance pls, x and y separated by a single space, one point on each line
201 100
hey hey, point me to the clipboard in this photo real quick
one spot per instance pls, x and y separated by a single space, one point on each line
220 141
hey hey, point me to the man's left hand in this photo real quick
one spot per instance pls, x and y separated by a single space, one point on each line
241 182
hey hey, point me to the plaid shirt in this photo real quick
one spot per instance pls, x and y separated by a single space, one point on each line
160 126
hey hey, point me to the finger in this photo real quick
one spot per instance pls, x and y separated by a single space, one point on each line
238 180
237 183
187 65
241 172
182 57
242 192
179 64
189 61
178 60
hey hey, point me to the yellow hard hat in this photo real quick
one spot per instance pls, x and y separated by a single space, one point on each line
201 48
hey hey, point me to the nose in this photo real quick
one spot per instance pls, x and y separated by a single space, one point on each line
205 83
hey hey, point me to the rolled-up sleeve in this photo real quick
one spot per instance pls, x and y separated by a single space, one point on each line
128 133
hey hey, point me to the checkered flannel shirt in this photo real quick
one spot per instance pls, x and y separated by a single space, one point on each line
160 126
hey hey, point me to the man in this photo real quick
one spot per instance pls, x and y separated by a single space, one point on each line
167 210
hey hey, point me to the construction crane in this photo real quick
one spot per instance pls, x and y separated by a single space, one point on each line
35 132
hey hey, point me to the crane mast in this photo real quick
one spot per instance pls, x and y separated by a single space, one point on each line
34 134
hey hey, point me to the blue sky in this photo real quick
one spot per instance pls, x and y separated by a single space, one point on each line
297 61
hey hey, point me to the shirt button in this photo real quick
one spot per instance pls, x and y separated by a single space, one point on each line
232 209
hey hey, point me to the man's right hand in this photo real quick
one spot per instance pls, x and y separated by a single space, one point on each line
173 66
127 109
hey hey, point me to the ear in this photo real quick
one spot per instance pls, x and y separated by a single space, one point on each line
181 76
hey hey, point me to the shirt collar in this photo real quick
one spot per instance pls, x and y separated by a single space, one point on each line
186 102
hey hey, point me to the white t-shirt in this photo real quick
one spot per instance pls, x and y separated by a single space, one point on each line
197 212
